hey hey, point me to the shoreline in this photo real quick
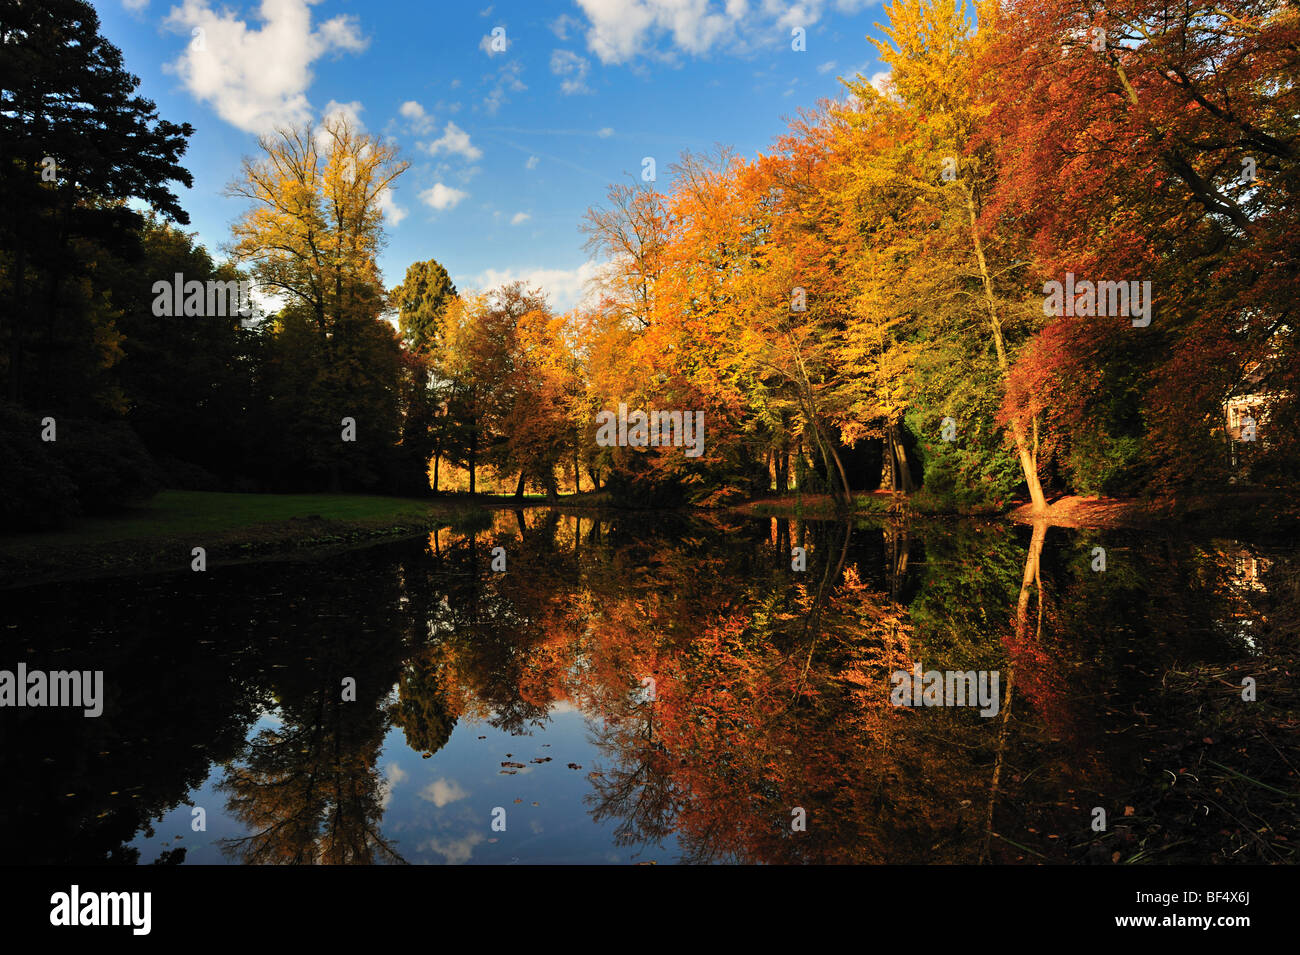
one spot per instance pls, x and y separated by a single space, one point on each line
158 536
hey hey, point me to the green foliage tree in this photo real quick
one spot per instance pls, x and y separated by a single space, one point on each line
75 144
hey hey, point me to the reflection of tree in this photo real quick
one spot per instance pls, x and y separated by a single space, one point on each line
639 789
309 790
310 794
422 710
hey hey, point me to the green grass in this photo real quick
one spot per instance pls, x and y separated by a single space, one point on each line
178 513
160 534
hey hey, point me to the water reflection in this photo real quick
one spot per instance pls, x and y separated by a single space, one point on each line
700 700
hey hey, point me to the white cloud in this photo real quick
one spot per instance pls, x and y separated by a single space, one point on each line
256 78
881 81
441 792
507 81
421 122
135 6
336 110
565 288
531 163
393 213
442 197
495 45
827 66
572 70
455 142
349 111
560 25
605 132
621 30
519 218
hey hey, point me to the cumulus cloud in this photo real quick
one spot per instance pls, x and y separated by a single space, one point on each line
393 213
349 111
531 163
257 77
519 218
442 197
135 6
572 70
620 30
454 141
420 121
565 288
506 81
495 43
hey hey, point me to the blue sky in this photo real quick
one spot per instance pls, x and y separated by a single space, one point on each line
508 147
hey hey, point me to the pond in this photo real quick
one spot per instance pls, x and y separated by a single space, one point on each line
667 687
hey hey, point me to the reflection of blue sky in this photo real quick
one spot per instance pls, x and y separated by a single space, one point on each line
439 810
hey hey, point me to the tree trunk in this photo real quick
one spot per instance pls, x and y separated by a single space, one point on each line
1028 463
473 454
902 469
519 488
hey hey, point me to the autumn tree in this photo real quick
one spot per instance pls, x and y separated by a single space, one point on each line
958 267
311 236
1143 143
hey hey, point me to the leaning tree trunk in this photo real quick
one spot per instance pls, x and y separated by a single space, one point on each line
902 469
1028 459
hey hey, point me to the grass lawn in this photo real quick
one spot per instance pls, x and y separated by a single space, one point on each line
174 513
161 532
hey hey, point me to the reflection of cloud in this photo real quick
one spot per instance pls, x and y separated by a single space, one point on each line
393 775
440 792
456 851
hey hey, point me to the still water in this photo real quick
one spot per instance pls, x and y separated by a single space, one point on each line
666 688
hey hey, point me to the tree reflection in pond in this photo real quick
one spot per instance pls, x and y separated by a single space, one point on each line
724 696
